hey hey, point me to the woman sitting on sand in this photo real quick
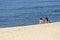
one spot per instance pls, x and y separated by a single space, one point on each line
47 21
41 21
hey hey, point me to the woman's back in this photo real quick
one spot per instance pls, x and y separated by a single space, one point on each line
46 21
41 21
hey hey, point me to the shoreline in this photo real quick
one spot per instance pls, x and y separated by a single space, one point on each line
31 25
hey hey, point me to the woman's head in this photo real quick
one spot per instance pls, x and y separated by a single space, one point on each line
41 19
46 18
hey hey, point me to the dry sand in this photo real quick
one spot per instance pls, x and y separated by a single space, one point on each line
50 31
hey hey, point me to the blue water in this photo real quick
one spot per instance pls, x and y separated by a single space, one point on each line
27 12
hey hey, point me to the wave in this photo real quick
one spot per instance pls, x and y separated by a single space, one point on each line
37 1
35 7
58 10
30 1
52 6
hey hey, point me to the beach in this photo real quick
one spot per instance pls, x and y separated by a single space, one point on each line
48 31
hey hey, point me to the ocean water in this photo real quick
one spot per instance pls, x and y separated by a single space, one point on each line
27 12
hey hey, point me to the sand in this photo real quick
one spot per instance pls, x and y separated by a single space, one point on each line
50 31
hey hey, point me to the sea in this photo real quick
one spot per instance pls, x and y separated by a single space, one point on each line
15 13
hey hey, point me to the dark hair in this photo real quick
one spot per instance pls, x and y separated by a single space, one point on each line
47 18
41 19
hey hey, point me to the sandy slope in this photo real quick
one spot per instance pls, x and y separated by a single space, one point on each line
49 31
